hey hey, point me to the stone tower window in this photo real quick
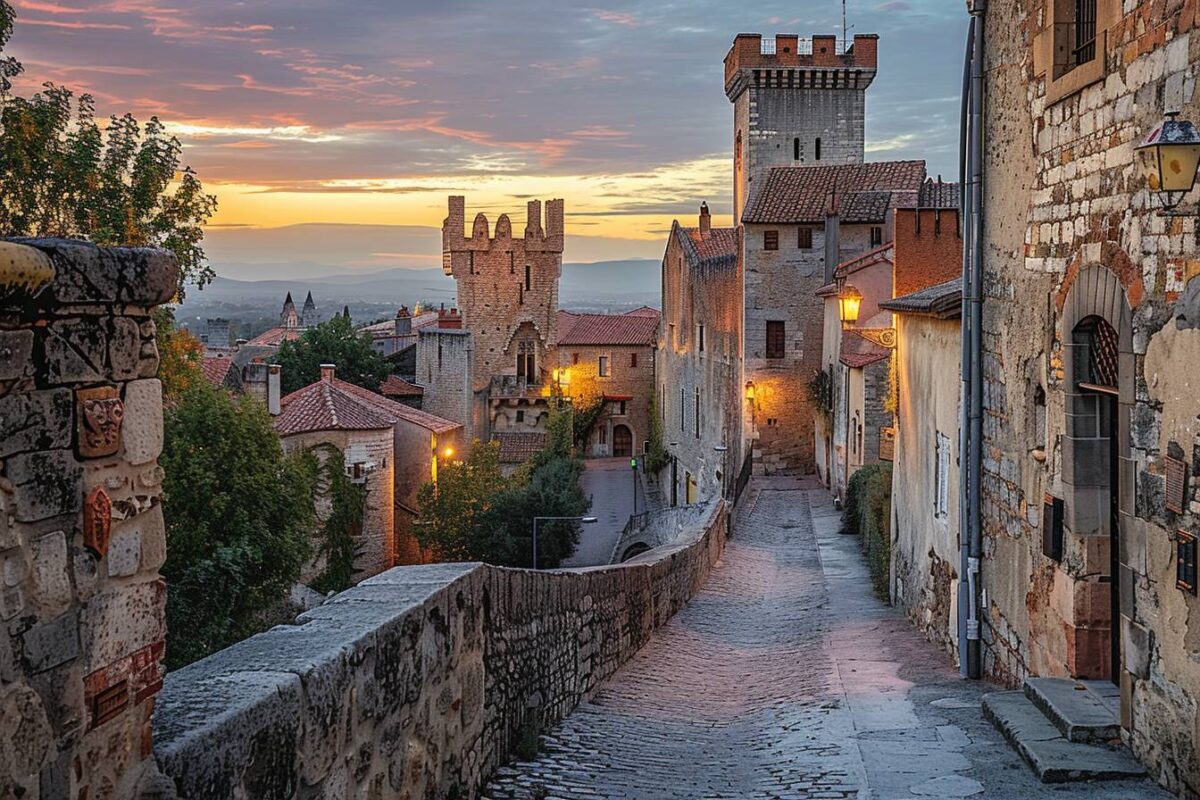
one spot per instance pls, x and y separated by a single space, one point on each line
527 361
1072 46
796 149
817 149
776 339
528 277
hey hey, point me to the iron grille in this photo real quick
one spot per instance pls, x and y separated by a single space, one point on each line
1101 340
1085 31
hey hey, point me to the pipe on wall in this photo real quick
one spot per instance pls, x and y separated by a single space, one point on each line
964 546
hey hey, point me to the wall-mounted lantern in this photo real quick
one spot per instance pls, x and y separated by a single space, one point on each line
1170 156
750 391
849 302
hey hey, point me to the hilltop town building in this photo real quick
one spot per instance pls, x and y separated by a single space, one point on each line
699 374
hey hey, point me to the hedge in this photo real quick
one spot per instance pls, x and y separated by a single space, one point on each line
867 512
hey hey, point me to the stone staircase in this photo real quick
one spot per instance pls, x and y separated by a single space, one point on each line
1067 730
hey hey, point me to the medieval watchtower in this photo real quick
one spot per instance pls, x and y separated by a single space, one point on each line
795 102
507 290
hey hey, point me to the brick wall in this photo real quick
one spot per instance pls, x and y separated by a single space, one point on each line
82 614
418 682
927 248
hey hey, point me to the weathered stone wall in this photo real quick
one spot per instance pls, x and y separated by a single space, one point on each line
375 546
625 379
81 529
709 292
444 359
417 682
1071 229
924 544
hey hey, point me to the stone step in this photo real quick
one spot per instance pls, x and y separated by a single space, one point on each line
1083 711
1053 758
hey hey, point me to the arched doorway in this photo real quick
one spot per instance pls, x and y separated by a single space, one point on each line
1098 367
622 441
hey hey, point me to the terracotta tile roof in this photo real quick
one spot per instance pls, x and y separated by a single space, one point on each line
519 446
607 329
943 301
864 192
395 386
938 194
322 406
215 369
273 337
393 411
644 311
719 248
857 352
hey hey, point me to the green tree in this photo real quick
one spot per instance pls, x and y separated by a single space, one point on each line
179 356
347 504
451 508
60 175
333 342
239 519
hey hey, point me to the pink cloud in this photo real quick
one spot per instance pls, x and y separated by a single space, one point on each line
616 17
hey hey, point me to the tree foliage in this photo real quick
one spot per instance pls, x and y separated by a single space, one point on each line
333 342
347 505
180 356
474 513
61 175
239 519
657 457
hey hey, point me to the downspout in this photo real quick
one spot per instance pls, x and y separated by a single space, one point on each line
978 8
964 206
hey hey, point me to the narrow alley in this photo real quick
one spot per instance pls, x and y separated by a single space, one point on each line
785 678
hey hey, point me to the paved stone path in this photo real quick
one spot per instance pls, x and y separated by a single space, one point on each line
609 482
785 678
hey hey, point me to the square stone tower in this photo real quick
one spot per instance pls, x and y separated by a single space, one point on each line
507 291
795 102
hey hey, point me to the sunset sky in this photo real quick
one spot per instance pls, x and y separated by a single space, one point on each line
372 111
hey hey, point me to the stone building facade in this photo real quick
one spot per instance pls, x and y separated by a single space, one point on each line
610 358
82 606
699 372
1091 322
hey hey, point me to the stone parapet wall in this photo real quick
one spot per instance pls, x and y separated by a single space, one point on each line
417 682
82 614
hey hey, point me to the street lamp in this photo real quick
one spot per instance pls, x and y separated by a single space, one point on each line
536 520
1170 157
849 302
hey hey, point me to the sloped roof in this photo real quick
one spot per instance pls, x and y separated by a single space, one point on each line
943 300
644 311
393 411
215 369
322 406
880 255
718 248
517 447
939 194
857 352
395 386
863 192
607 329
273 337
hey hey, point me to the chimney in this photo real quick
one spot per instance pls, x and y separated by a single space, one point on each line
403 321
273 379
705 221
255 380
327 371
833 231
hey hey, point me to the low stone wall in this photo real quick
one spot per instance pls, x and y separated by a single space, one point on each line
656 529
417 682
81 528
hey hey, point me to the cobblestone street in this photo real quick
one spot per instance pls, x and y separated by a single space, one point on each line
786 678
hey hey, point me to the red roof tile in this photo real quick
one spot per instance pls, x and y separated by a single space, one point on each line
394 411
519 446
644 311
719 245
215 369
273 337
607 329
322 406
395 386
864 192
857 352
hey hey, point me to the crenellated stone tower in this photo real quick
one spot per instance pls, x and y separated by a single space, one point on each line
796 102
507 290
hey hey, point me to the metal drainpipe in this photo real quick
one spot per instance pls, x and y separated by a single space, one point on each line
964 546
978 9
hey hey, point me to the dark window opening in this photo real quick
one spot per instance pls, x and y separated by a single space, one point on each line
776 345
520 415
697 412
700 338
1185 562
1085 32
574 358
770 240
633 359
804 238
1100 341
621 409
602 366
527 362
817 150
876 236
528 281
796 149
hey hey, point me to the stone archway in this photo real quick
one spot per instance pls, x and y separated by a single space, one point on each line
1098 370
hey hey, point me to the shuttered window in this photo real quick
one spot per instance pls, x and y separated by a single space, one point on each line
804 238
776 339
770 240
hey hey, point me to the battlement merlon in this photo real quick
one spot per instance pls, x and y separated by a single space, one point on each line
539 237
800 63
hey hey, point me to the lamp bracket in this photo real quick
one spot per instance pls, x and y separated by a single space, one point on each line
884 337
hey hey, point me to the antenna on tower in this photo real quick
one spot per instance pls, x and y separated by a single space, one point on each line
845 32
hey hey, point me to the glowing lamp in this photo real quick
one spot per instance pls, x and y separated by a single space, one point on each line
448 452
1169 157
849 301
750 390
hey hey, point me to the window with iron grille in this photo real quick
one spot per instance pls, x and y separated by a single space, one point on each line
776 339
1085 32
770 240
804 238
1185 561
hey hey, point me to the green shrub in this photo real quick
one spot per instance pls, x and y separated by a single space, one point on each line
868 512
